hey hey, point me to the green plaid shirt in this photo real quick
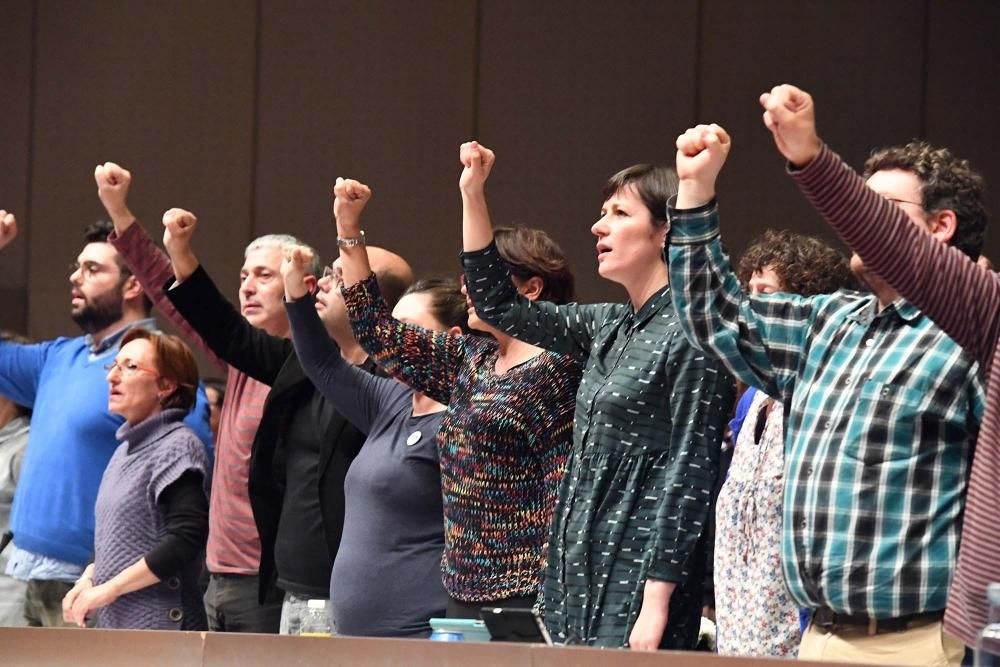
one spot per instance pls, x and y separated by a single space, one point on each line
882 410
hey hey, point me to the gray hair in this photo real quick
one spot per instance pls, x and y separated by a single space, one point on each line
282 241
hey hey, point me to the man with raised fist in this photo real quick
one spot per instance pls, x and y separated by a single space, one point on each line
72 433
882 411
917 196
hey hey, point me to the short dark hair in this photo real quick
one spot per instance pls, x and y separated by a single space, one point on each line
946 183
16 339
654 184
392 285
805 265
175 362
447 301
531 253
99 232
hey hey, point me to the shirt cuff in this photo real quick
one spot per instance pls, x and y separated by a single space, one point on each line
817 171
691 226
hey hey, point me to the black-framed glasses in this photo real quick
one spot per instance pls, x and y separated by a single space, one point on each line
88 270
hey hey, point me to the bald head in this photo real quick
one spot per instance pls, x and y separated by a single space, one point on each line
392 272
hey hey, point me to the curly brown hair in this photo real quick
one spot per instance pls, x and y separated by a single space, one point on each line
946 183
804 264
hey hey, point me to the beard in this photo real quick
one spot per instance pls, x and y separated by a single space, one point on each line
100 312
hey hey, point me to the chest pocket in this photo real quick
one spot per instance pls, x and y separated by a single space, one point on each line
882 409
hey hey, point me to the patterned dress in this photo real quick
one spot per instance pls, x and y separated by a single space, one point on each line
754 613
635 499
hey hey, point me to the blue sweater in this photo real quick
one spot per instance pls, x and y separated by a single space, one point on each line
71 440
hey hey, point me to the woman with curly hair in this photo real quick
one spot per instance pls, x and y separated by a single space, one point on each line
755 615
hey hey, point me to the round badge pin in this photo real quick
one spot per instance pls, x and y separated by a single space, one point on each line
413 439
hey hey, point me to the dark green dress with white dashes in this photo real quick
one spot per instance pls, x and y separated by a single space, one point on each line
635 499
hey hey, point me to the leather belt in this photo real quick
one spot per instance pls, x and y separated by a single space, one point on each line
830 621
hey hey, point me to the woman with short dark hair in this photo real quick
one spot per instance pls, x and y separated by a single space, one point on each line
152 505
627 550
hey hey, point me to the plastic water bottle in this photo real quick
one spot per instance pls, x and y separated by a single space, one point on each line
988 646
315 622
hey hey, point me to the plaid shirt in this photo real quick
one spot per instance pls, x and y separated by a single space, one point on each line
881 411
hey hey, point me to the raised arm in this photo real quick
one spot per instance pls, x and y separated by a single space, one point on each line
357 394
960 296
197 299
761 340
428 361
144 258
8 228
20 365
564 329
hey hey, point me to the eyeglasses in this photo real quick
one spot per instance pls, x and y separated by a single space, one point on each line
333 274
88 270
903 201
129 368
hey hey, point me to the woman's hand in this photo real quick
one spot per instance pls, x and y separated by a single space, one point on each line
701 152
82 584
653 616
478 162
350 198
294 268
89 600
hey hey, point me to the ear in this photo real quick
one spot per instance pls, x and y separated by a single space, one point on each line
312 284
943 225
531 288
455 330
167 388
131 290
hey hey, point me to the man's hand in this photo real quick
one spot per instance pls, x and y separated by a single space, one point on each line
112 188
701 152
790 115
478 162
350 197
178 229
8 228
653 616
293 270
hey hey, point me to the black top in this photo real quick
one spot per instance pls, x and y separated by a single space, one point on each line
272 360
185 518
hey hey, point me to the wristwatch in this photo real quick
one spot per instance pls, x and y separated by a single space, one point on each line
351 242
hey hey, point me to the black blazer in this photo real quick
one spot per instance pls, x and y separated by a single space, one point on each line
272 361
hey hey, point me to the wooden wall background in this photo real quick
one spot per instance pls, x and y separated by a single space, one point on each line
246 111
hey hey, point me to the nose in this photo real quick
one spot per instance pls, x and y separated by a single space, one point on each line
600 228
325 283
76 278
114 375
248 285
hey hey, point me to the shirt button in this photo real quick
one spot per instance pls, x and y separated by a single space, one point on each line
869 342
827 425
809 470
802 524
847 380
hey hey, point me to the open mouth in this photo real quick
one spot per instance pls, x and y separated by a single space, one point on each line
602 251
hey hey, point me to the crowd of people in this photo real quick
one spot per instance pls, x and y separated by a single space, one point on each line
397 449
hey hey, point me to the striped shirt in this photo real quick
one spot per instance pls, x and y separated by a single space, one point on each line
233 543
882 410
964 300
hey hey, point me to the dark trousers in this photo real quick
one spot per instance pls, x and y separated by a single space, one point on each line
43 603
463 609
231 605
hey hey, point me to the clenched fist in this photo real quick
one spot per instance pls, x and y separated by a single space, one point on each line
112 188
350 198
701 152
477 161
790 115
178 229
294 268
8 228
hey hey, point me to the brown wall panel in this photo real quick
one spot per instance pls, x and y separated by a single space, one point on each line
963 91
15 131
569 93
380 92
862 62
166 89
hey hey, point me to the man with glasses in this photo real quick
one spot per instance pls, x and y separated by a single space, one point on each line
882 413
276 510
72 433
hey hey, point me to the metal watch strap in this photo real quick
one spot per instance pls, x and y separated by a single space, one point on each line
351 242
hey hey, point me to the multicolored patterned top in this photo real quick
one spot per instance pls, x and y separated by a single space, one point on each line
503 444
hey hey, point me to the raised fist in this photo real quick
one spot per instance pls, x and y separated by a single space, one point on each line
350 197
8 228
477 161
701 152
294 268
790 115
178 228
112 187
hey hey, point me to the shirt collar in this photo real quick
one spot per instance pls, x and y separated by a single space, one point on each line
654 304
868 311
112 340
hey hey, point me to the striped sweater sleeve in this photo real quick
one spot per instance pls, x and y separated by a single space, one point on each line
151 267
961 297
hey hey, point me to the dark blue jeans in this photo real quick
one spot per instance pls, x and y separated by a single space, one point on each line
231 605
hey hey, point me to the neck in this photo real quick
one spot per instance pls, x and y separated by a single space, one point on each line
885 294
423 405
649 284
511 352
350 350
126 319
